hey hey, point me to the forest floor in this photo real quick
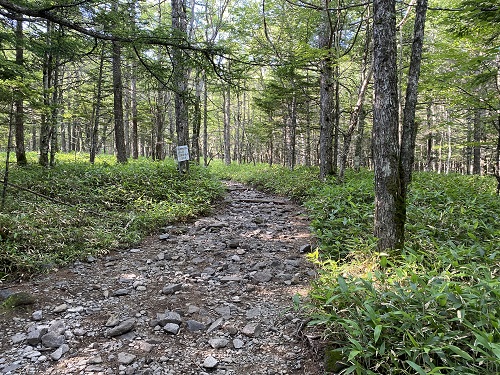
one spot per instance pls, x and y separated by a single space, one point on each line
214 296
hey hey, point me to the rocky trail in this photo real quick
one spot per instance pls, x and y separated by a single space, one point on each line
209 297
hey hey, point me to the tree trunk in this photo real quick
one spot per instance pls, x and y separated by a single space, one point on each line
476 165
205 120
45 134
180 77
327 93
227 126
121 150
94 135
19 104
353 120
409 126
388 199
133 105
195 139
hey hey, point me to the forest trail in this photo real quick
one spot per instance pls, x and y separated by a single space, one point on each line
212 296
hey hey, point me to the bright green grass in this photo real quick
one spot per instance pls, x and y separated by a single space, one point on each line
106 206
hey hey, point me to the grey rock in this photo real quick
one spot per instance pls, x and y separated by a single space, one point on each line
164 236
18 338
168 317
112 321
171 288
253 313
34 337
231 278
63 349
125 358
171 328
61 308
233 244
121 328
238 344
210 362
218 342
193 326
224 311
57 327
94 360
208 271
262 277
215 325
37 315
305 248
5 293
53 340
121 292
252 330
10 368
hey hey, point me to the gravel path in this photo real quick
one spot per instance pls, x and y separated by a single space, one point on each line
209 297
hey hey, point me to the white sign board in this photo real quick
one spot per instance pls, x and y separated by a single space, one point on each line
182 153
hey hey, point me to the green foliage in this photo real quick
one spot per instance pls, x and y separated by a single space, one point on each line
108 206
433 308
296 184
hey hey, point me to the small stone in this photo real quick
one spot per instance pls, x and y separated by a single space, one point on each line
305 248
94 360
112 321
121 292
141 288
235 258
61 308
193 326
224 311
168 317
238 344
56 356
77 309
218 343
171 288
231 278
215 325
252 313
210 362
90 259
252 330
135 250
164 236
146 346
171 328
34 337
53 340
192 309
18 338
37 315
262 277
233 244
122 328
125 358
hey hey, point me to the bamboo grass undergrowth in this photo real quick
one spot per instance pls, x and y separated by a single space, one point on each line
93 209
431 308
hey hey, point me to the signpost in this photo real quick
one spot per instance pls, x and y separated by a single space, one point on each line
182 153
182 159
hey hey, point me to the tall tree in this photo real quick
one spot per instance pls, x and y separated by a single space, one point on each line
19 102
180 76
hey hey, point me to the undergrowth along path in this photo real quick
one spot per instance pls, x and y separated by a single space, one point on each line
211 296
